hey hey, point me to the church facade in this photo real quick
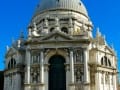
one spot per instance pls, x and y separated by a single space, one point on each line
60 52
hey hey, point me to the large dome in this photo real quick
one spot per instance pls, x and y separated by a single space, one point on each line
74 5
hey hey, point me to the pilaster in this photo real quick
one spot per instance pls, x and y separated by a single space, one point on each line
67 68
115 81
17 81
42 80
98 81
72 81
42 66
72 66
27 71
86 71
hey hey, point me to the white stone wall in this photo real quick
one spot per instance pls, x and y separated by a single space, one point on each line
12 82
101 82
17 82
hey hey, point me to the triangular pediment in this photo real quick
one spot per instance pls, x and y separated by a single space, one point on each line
59 36
11 52
109 50
104 49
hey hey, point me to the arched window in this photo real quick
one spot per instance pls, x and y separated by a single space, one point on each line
9 65
64 29
52 29
102 62
105 61
109 63
12 63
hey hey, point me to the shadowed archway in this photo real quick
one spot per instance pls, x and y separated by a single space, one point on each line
57 74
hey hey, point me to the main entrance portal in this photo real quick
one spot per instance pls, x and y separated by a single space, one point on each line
57 74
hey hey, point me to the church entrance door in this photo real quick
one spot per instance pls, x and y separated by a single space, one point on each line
57 74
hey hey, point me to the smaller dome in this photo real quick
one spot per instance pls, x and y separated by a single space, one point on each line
74 5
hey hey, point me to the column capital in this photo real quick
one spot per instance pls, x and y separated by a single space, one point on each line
28 48
71 49
85 48
42 49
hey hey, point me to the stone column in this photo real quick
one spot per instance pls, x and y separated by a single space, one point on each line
86 72
46 76
67 67
72 66
27 73
42 67
98 81
86 80
104 81
28 59
115 81
72 82
42 86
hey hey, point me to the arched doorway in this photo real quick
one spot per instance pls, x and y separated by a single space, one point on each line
57 74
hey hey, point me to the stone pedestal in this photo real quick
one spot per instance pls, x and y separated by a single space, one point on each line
27 87
86 86
41 86
71 86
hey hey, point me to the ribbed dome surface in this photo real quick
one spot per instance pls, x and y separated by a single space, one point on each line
75 5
